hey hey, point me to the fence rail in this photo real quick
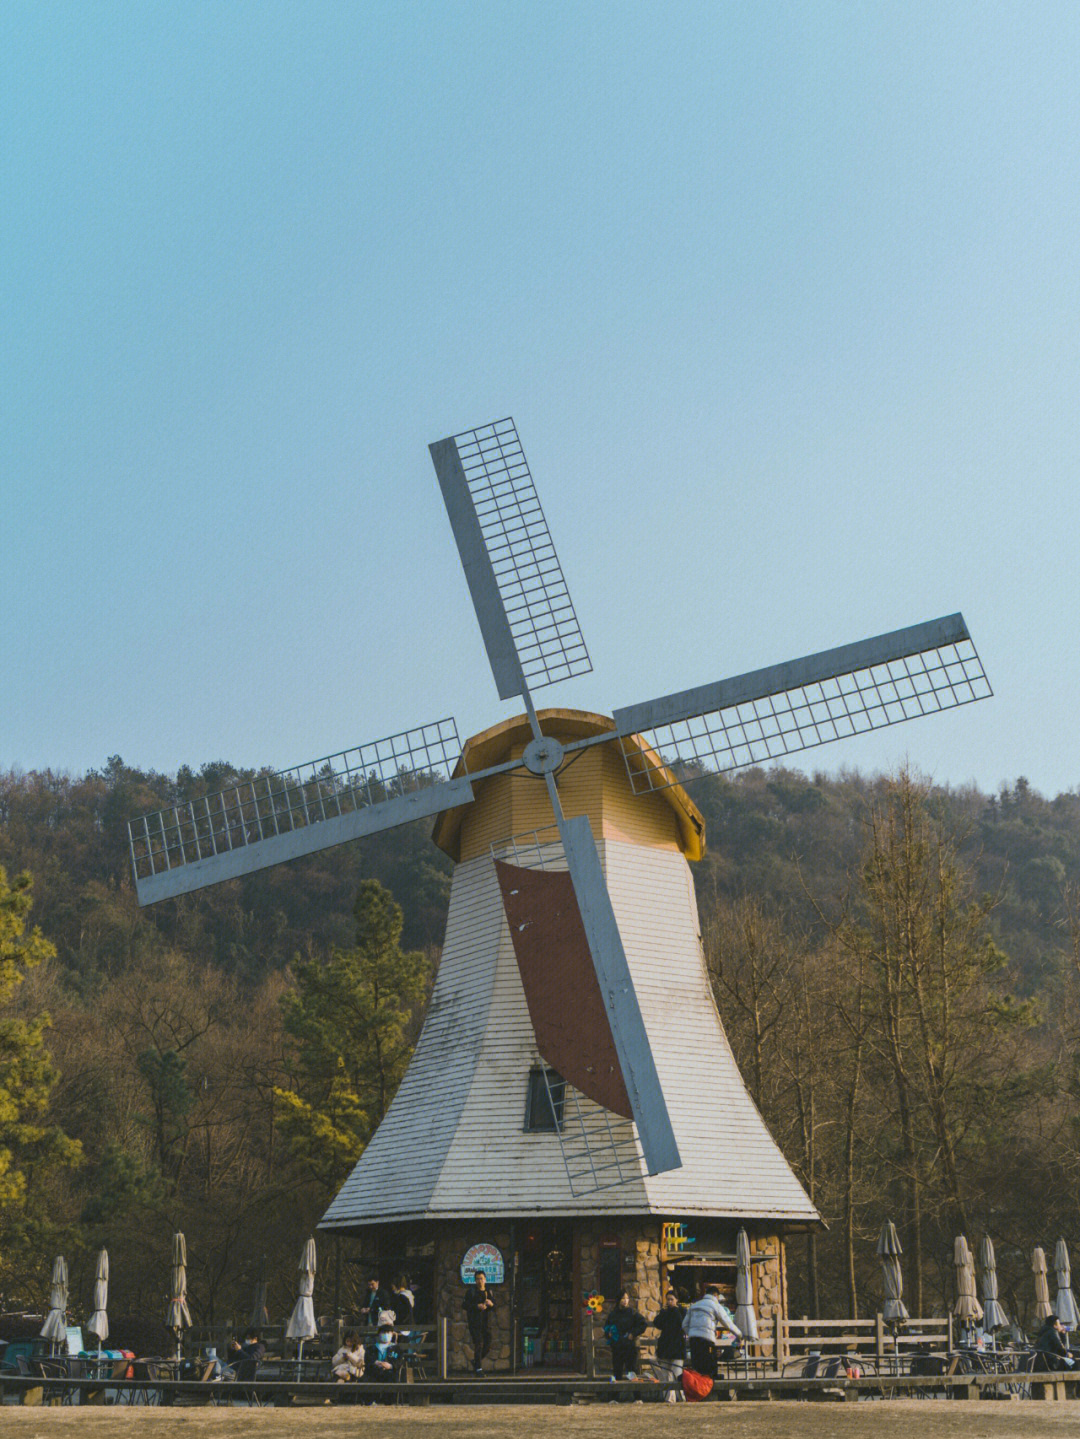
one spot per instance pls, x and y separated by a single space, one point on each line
793 1338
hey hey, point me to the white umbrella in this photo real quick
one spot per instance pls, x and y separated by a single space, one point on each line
98 1323
967 1307
1042 1289
889 1251
1064 1303
178 1315
301 1323
745 1317
994 1317
55 1326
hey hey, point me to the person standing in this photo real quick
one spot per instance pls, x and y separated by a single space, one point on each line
703 1321
376 1300
622 1329
479 1305
671 1343
401 1306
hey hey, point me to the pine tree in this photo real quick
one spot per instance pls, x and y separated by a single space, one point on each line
349 1020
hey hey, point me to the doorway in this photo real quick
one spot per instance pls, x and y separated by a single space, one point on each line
545 1299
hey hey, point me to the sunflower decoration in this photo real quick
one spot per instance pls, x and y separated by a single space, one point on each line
594 1302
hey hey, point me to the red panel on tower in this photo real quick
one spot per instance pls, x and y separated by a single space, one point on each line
561 988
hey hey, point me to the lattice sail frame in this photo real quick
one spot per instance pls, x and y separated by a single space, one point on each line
785 721
600 1149
542 619
280 802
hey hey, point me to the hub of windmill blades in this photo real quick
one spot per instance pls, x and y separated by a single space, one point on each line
543 756
532 637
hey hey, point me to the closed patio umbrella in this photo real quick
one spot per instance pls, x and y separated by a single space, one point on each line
55 1326
1064 1303
301 1323
260 1315
994 1317
893 1310
98 1323
178 1315
1043 1309
967 1307
745 1317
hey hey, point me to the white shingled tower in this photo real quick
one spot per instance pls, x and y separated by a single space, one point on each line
573 1110
456 1143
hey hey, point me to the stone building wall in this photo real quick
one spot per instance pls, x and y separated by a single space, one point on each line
453 1239
639 1242
770 1286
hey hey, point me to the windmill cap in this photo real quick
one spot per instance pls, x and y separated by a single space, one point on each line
495 745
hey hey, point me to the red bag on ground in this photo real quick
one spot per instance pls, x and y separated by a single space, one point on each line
696 1386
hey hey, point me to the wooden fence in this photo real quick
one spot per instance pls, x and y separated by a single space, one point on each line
795 1338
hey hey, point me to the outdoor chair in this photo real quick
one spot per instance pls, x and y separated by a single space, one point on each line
1024 1366
411 1357
247 1373
818 1366
46 1370
199 1371
146 1372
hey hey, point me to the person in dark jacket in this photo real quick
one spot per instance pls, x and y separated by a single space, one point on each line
1052 1343
622 1329
671 1342
376 1301
245 1358
401 1306
382 1357
478 1305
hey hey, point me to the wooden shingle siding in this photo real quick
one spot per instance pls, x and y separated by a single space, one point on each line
594 785
731 1163
453 1142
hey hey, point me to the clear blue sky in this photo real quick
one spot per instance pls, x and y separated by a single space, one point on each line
783 297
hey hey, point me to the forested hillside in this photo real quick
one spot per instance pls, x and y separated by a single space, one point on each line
895 965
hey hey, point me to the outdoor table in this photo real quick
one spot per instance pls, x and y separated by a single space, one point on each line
102 1364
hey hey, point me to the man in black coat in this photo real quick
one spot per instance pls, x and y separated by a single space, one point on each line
1052 1343
402 1306
478 1305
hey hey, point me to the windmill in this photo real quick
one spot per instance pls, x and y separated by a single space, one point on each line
533 639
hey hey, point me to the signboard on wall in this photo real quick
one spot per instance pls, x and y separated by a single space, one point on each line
486 1258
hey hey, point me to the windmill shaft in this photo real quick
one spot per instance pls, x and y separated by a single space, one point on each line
617 990
794 674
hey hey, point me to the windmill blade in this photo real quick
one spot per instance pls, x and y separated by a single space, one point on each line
277 816
526 616
796 706
620 999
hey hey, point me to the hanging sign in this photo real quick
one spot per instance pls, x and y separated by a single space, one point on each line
487 1259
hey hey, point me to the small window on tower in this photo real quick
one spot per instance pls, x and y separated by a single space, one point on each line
544 1102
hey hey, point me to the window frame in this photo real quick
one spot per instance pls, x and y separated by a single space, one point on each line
538 1099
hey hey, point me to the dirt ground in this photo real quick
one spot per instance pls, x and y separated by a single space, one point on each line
911 1418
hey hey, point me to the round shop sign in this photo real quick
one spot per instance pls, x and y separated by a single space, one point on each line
486 1258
